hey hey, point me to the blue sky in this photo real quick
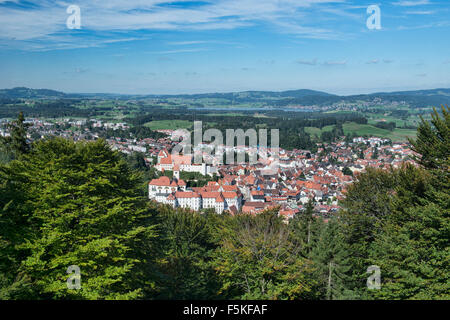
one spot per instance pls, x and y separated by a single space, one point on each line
155 46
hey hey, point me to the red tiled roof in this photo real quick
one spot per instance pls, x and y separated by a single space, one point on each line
166 160
182 194
229 195
161 181
230 188
206 194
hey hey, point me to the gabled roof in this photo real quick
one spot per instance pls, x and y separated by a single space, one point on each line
229 195
209 194
163 153
182 194
161 181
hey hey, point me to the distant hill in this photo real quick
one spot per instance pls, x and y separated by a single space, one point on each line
417 98
248 95
305 97
22 92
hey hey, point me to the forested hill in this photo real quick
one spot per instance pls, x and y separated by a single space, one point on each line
27 93
304 97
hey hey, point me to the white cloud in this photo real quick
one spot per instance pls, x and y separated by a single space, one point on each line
411 3
178 51
307 62
183 43
45 22
335 63
420 12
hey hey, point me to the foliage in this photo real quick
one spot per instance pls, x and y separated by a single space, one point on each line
68 204
16 144
256 260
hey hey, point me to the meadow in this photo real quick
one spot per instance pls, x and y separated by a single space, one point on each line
169 124
397 135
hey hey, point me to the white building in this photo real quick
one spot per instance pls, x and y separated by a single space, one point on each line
174 193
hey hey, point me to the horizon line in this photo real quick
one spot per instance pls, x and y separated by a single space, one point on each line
224 92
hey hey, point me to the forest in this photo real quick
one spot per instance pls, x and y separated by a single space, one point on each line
65 203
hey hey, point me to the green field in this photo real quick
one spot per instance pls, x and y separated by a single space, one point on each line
169 124
313 131
367 129
410 120
226 114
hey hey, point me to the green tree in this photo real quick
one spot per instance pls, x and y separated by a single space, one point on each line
16 144
413 248
257 260
433 141
187 245
330 255
399 220
83 207
367 203
347 171
305 228
375 153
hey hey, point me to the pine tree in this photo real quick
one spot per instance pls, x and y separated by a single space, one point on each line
433 141
16 144
375 153
330 255
83 207
305 228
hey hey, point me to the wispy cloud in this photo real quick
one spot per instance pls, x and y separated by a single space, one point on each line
44 24
307 62
184 43
335 63
178 51
420 12
411 3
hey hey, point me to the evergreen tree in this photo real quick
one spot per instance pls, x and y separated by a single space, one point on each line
433 141
82 207
399 220
305 228
375 153
330 255
347 171
16 144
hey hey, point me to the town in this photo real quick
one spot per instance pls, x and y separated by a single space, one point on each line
300 176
